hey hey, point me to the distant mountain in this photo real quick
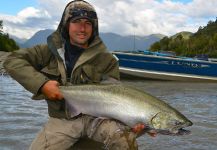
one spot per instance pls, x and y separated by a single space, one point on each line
117 42
18 40
39 37
113 41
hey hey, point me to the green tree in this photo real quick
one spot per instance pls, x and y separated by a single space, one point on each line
1 27
6 43
204 41
165 43
155 47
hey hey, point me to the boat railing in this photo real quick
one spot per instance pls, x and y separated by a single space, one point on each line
170 54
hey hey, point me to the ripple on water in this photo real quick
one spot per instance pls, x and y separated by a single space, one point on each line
21 118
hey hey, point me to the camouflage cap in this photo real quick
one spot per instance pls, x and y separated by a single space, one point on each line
78 9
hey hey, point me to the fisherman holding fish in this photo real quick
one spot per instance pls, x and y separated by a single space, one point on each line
74 54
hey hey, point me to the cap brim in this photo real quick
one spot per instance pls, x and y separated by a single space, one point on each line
81 17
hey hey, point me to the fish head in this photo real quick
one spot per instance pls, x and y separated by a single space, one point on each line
170 123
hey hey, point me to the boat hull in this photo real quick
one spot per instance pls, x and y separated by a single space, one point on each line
166 68
132 73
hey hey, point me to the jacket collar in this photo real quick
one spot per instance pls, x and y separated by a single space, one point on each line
95 48
56 45
54 42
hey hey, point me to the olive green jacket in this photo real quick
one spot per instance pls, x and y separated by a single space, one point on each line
32 67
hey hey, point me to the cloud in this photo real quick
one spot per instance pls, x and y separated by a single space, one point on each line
142 17
201 8
54 7
26 22
31 12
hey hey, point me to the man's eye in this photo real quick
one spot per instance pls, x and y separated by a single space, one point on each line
88 23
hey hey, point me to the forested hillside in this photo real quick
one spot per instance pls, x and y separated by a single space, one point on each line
204 41
6 44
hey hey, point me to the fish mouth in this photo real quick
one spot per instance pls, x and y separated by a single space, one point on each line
178 129
173 132
183 132
178 132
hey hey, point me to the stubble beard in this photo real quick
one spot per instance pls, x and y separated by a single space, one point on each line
81 42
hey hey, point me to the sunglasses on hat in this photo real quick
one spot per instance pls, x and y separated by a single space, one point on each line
83 13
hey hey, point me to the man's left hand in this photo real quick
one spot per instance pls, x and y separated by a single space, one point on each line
138 129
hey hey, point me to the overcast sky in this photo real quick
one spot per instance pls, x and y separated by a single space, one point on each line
143 17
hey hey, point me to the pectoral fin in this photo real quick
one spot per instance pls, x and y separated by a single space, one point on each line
71 110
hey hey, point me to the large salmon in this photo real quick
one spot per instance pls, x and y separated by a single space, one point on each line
126 104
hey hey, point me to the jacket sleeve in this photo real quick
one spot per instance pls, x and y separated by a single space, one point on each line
24 66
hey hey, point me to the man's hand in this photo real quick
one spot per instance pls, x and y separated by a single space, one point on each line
139 129
51 90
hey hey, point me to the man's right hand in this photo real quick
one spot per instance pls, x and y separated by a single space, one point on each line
51 90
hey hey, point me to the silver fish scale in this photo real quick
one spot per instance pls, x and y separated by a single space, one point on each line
126 104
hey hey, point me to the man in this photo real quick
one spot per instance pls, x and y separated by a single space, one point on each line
74 54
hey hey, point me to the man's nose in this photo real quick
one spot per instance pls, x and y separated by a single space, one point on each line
82 27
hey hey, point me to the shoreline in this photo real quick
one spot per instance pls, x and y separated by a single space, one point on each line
3 56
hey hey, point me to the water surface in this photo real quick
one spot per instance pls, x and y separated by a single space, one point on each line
21 118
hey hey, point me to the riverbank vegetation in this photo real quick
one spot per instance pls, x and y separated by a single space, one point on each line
204 41
6 43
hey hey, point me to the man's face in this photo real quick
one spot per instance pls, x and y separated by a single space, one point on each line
80 32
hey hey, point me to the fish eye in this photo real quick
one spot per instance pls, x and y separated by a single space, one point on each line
178 123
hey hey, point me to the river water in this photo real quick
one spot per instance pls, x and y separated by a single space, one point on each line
21 118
